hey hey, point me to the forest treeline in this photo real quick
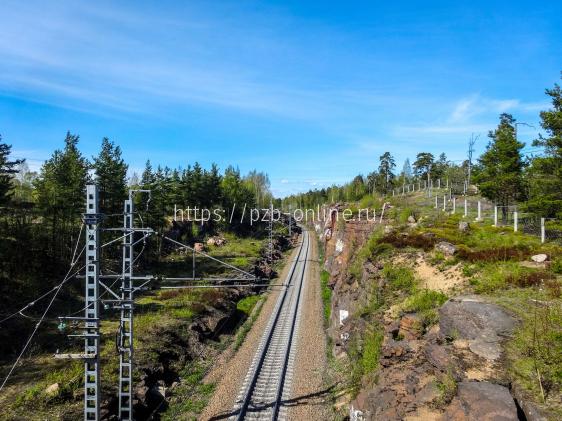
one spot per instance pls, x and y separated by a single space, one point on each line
503 173
41 212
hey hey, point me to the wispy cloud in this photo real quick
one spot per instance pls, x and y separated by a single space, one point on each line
470 114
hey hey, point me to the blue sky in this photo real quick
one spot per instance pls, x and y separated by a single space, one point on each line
310 92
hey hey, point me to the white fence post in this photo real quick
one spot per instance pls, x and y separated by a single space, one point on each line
439 183
454 204
479 211
495 216
465 207
543 232
435 202
444 203
515 221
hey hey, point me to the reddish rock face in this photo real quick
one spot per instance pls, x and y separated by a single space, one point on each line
411 327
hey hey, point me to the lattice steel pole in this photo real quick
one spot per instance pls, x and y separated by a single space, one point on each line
91 321
126 320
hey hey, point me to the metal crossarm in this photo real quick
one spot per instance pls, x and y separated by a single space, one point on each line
91 329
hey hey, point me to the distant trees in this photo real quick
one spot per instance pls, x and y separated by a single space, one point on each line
23 183
501 166
441 167
407 170
545 173
260 183
7 169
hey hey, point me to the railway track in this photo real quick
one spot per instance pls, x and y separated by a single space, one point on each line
268 381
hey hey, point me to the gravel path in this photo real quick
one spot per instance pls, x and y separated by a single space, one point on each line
230 370
310 396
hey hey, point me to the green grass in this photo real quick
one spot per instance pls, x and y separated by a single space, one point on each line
400 278
491 276
447 387
69 379
405 212
425 302
370 250
369 202
326 295
246 304
247 325
424 299
371 351
191 396
556 265
534 353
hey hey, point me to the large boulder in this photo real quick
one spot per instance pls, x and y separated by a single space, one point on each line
481 401
539 258
483 324
446 248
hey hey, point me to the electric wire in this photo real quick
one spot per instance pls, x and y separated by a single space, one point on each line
32 303
68 276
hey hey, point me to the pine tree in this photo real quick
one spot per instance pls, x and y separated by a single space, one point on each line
111 177
500 176
61 187
423 166
386 167
7 171
545 174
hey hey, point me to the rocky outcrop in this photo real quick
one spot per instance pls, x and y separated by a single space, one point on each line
445 371
446 248
483 324
481 401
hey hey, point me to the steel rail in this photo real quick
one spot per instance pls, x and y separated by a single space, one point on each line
280 310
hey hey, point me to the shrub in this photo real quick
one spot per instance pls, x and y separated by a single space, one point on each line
527 278
415 240
326 295
556 265
516 252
